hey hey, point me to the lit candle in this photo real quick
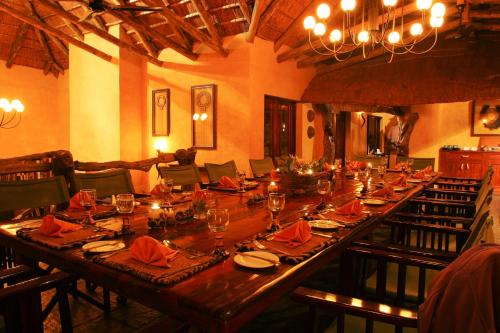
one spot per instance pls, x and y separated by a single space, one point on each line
277 169
155 211
309 172
369 165
272 187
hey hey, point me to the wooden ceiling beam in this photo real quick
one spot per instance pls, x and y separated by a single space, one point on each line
16 46
297 22
73 27
484 15
258 9
174 19
52 31
488 27
377 52
269 12
60 45
207 20
101 33
177 31
245 10
144 28
305 47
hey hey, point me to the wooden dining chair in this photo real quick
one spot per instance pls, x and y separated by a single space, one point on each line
216 171
21 304
464 184
419 163
183 175
106 183
262 167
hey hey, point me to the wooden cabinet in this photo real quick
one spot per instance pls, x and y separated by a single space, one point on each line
469 164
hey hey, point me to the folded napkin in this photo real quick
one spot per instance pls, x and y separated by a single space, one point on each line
54 228
227 182
387 191
350 208
274 174
150 251
428 170
419 175
158 191
401 181
74 203
402 165
295 235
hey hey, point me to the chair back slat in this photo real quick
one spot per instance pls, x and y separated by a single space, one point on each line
106 183
216 171
261 167
181 174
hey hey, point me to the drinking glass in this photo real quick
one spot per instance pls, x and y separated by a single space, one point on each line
338 164
125 207
275 204
241 180
323 186
166 186
218 219
87 201
381 170
410 164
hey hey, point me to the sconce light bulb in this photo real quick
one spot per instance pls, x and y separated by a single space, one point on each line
4 104
204 116
196 116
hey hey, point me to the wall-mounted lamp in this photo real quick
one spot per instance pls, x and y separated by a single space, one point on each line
11 113
201 117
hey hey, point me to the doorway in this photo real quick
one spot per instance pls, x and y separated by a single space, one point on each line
279 127
373 134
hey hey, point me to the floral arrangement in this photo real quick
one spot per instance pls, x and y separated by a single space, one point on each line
356 165
199 200
293 165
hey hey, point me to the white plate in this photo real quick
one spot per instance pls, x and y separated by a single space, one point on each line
324 224
374 202
400 188
413 180
103 246
250 260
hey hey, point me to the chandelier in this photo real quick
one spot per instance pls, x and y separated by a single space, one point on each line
379 26
11 113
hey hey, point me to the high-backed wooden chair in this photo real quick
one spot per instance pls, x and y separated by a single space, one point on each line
262 167
464 184
183 175
106 183
419 163
216 171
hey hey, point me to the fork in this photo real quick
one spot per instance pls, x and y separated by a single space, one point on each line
264 247
191 252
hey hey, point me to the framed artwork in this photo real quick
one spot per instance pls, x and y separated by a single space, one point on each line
204 116
485 118
161 112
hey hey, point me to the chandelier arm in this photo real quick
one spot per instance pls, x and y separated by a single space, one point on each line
3 117
9 120
340 60
12 126
430 48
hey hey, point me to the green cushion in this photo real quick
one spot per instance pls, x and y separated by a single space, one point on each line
181 174
33 193
105 183
261 167
216 171
353 324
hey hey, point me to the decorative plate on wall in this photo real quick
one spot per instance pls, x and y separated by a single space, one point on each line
310 132
310 116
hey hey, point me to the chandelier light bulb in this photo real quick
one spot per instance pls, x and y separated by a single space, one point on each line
348 5
335 35
436 22
363 36
204 116
390 3
319 29
17 105
323 11
4 104
438 10
393 37
416 29
309 22
196 116
424 4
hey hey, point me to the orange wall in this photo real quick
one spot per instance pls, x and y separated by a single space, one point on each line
45 122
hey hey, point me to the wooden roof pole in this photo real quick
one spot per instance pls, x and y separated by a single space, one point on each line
205 17
187 27
270 10
16 46
101 33
60 45
245 10
298 21
305 47
52 31
73 27
177 31
258 8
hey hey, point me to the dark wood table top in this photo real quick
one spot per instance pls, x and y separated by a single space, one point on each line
225 296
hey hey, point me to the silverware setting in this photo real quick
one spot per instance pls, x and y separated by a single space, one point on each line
192 253
246 254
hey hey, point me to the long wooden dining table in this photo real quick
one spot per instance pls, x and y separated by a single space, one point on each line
224 297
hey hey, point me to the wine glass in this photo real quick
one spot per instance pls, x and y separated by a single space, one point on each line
275 203
218 219
338 164
410 164
166 186
125 207
241 180
381 170
87 201
323 186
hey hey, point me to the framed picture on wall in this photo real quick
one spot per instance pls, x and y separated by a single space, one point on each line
161 112
485 118
204 116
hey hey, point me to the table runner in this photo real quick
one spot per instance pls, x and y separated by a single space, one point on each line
70 239
181 268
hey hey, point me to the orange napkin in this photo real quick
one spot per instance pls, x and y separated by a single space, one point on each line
428 169
150 251
350 208
157 191
74 203
295 235
401 181
54 228
227 182
274 174
419 175
387 191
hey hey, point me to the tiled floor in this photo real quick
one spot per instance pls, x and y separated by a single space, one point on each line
283 317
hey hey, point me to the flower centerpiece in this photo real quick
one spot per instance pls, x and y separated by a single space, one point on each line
300 177
199 201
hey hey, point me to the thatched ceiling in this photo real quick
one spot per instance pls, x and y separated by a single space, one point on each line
36 33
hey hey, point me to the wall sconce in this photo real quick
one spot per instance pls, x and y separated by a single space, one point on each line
11 113
201 117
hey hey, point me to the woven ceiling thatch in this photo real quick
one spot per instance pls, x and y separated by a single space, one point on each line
36 33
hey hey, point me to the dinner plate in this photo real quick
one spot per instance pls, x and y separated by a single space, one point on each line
324 224
103 246
374 202
413 180
251 259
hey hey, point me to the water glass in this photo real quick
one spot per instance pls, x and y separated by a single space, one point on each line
275 204
218 220
338 164
410 164
125 207
166 186
323 186
87 201
241 180
381 170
